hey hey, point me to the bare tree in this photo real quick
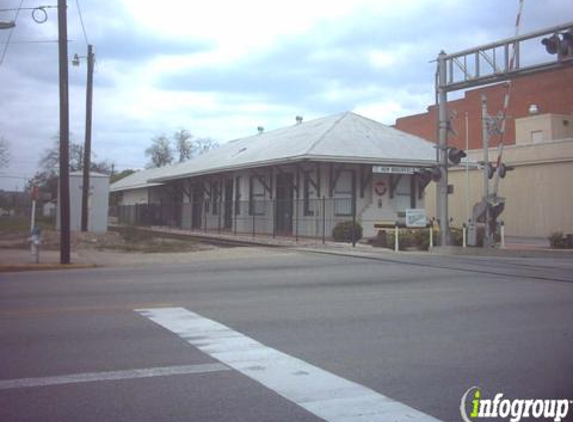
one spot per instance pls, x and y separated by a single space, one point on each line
160 153
202 145
183 144
5 154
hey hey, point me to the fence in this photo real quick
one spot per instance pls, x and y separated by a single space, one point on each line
296 218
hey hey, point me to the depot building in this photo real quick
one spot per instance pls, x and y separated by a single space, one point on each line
299 180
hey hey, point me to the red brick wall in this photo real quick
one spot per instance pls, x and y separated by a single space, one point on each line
551 91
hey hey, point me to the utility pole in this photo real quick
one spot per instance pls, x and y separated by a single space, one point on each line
442 191
64 134
88 140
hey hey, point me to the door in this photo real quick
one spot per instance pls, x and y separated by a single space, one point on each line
284 204
197 208
228 222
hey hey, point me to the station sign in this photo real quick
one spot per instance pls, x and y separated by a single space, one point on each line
393 170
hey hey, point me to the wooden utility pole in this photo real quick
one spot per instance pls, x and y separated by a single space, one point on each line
88 140
64 198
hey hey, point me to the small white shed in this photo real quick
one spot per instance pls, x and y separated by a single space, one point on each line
98 202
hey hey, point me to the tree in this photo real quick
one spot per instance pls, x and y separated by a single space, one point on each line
4 152
202 145
46 178
118 176
160 153
183 144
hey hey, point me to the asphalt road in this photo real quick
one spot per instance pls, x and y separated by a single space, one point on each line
420 330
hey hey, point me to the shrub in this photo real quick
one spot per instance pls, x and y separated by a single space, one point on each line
557 240
342 232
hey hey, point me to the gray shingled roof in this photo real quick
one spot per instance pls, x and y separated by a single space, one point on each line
137 180
345 137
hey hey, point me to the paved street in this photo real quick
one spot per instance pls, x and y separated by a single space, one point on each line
222 339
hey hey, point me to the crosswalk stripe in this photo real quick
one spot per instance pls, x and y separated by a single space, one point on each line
326 395
111 375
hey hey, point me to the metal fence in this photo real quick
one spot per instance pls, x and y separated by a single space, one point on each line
297 218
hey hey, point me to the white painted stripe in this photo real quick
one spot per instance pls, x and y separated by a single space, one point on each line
112 375
322 393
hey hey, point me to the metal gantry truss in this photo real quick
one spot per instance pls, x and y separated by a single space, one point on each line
486 64
498 61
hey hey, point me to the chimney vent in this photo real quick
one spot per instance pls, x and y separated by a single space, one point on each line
298 120
260 129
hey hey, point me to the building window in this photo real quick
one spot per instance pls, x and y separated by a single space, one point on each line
309 205
256 197
343 194
536 136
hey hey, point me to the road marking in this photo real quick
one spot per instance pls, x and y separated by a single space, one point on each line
112 375
322 393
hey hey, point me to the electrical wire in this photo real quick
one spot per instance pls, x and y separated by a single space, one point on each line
10 35
82 22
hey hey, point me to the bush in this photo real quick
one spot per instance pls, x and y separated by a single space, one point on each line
342 232
557 240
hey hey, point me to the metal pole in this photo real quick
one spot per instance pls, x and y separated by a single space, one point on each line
485 146
467 168
88 140
396 238
64 134
442 191
323 219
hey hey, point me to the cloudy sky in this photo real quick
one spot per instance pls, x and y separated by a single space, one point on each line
220 68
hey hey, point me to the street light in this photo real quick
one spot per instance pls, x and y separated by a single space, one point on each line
88 138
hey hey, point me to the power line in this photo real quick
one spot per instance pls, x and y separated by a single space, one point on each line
10 35
82 22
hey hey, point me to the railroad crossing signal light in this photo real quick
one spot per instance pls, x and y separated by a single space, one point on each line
560 44
455 155
490 170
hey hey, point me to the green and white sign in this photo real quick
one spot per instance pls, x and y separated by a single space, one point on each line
416 217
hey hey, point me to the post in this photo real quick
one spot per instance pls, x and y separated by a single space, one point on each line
502 230
467 168
253 222
354 198
487 241
396 241
323 219
464 236
442 191
88 140
64 198
431 245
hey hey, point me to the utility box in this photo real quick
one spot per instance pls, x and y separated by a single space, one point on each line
98 201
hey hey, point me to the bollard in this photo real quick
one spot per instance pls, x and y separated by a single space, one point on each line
502 230
396 241
464 236
35 245
431 235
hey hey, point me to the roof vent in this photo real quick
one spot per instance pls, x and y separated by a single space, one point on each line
533 109
298 120
260 129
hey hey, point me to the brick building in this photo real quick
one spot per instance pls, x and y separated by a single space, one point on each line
539 146
551 91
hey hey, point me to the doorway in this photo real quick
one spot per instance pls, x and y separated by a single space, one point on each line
284 204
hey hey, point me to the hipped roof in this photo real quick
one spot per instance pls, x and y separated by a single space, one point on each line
344 138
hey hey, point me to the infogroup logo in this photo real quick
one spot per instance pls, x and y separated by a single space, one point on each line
473 407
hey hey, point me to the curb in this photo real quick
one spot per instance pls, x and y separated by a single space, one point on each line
12 268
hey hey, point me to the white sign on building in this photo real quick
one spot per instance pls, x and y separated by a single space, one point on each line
393 170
